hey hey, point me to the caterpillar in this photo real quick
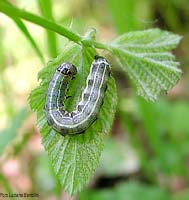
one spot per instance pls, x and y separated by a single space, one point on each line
92 97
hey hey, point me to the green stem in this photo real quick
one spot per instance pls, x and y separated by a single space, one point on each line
12 11
91 43
16 12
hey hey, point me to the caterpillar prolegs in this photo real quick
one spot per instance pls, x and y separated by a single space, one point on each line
87 109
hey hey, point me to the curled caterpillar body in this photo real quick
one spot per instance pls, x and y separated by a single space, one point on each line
91 99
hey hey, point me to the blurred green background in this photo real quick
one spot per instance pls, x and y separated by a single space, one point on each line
147 155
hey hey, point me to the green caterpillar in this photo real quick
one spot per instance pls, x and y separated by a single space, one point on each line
91 101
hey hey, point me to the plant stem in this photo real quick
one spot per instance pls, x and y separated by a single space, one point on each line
13 12
16 12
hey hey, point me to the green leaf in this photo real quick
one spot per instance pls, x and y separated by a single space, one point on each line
46 10
74 157
10 132
145 56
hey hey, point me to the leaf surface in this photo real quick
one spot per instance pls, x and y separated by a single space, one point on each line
145 57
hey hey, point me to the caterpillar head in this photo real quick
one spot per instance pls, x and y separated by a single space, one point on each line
67 69
99 60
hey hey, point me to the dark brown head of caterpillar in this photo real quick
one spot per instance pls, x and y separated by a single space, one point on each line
67 69
98 58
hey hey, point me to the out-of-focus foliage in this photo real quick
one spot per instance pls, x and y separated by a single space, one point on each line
150 140
10 132
27 34
163 142
127 191
46 11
